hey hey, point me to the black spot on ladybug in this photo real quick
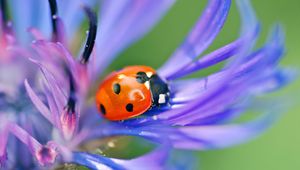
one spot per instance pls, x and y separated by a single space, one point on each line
117 88
102 109
141 77
129 107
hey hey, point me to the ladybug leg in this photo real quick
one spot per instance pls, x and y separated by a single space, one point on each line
159 90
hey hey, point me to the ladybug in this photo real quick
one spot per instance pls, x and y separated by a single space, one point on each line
130 92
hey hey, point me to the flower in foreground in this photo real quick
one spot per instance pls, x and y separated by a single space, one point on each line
62 119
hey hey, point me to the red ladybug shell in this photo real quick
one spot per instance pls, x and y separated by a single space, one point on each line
122 96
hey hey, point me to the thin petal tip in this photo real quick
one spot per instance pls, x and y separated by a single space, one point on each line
68 122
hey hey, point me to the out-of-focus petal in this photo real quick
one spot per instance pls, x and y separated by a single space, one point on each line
38 103
273 81
24 137
248 17
203 137
72 15
58 92
249 30
221 136
202 35
95 161
153 160
66 119
3 142
33 13
45 155
208 60
244 76
122 23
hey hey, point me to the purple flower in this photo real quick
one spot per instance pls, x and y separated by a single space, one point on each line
53 114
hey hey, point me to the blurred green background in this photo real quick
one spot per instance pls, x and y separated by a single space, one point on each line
279 147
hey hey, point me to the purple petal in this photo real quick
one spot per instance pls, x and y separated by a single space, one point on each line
219 55
221 136
210 101
249 30
24 137
124 23
210 59
3 159
248 17
154 160
239 82
61 56
3 143
202 35
273 81
219 117
25 151
93 161
68 124
38 103
44 154
58 93
53 107
209 105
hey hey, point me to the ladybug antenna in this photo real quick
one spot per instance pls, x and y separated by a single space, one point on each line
72 92
91 34
4 16
53 8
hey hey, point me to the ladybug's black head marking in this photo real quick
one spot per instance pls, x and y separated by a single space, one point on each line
141 77
159 90
117 88
129 107
102 108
